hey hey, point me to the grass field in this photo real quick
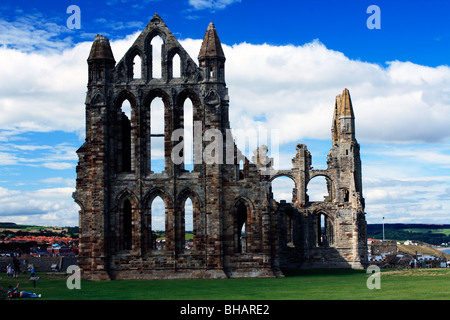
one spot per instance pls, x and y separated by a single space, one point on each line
410 284
418 230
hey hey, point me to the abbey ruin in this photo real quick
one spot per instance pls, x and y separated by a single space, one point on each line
239 230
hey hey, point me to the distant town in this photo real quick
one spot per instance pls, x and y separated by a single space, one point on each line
37 241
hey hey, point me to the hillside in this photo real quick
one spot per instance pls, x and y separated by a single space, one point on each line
434 234
424 250
10 228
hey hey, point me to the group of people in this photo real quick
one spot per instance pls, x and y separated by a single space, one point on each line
14 270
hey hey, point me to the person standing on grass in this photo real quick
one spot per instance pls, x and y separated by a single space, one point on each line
16 264
14 293
9 270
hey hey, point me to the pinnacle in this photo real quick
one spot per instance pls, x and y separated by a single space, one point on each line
156 21
101 49
346 104
211 46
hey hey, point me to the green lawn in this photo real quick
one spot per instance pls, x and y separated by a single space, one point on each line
416 284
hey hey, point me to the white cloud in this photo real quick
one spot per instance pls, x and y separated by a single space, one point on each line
8 159
398 198
298 92
31 32
59 180
59 156
58 165
44 206
406 182
211 4
41 93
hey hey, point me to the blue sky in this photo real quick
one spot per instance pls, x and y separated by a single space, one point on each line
286 62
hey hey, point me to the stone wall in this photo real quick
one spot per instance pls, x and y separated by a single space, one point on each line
380 248
41 264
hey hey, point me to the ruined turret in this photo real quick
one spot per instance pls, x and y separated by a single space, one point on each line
211 56
100 61
343 128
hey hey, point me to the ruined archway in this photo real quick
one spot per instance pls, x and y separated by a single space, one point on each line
124 222
192 221
320 188
124 136
284 191
157 123
158 221
242 218
325 235
284 188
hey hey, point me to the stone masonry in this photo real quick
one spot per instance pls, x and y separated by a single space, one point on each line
239 229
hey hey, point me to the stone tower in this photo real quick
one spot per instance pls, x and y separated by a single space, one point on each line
238 229
332 232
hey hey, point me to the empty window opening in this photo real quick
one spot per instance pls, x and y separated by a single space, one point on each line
157 136
188 224
322 231
158 224
325 231
126 108
127 230
317 189
346 195
188 135
285 193
283 188
156 44
290 230
157 163
242 235
137 67
176 66
126 136
241 170
244 240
